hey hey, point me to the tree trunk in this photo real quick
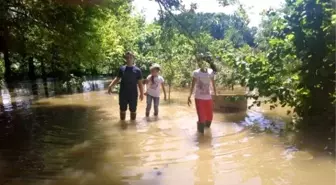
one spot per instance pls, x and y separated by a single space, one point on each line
32 75
8 72
55 58
44 77
169 85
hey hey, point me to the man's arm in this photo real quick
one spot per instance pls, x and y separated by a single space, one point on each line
113 83
140 85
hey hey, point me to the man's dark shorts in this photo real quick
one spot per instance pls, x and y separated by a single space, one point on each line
130 100
128 94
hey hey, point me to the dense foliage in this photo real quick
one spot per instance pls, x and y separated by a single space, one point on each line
289 58
54 38
294 63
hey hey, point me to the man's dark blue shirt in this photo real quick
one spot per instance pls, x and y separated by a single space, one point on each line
129 75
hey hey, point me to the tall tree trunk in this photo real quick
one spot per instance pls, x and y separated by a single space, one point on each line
53 60
32 75
53 67
169 87
44 77
7 66
8 72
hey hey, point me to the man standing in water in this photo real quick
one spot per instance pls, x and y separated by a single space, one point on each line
130 78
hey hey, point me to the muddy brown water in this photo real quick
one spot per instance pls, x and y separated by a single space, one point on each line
78 140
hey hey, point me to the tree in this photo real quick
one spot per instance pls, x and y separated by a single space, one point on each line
59 37
294 63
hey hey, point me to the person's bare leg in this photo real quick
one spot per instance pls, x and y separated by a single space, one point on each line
208 124
133 106
133 116
200 127
122 115
123 107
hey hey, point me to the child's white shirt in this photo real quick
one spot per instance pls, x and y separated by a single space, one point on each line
153 89
203 84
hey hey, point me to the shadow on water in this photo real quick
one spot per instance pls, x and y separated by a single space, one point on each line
40 142
317 141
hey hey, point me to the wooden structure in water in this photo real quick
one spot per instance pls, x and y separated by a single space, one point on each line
227 103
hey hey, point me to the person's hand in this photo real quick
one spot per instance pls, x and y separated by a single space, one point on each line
189 101
141 96
109 91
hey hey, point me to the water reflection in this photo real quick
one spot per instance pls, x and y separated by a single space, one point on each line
204 164
6 100
77 139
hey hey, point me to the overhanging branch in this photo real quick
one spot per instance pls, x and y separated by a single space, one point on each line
32 19
181 25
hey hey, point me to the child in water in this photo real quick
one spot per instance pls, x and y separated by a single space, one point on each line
202 79
130 78
153 83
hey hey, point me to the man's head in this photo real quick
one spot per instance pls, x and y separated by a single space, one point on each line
129 57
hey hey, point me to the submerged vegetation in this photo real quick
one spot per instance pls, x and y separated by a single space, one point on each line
289 58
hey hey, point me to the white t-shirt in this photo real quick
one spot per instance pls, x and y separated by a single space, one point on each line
153 89
203 84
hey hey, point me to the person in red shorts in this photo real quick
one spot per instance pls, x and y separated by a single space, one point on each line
203 79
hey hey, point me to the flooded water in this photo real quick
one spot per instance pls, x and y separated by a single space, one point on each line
78 140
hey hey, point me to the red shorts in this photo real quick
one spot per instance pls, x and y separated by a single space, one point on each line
204 110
